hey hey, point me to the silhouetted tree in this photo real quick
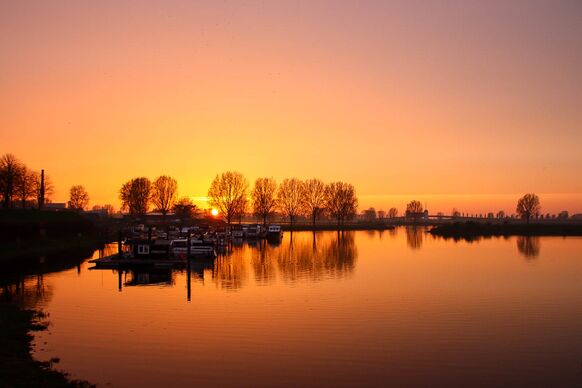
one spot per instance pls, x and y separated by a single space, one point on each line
263 197
163 196
314 198
342 202
393 212
500 214
414 207
241 208
135 196
528 206
25 186
78 198
10 171
43 187
227 193
289 197
381 214
107 208
185 209
455 213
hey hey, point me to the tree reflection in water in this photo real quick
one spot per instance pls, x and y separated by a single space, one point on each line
414 237
329 255
230 272
306 256
528 246
26 292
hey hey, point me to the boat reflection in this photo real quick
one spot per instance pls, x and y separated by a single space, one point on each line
156 277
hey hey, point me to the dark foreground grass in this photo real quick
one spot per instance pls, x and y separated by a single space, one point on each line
17 367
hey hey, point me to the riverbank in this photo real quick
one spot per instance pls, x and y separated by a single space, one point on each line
335 227
17 367
473 230
15 251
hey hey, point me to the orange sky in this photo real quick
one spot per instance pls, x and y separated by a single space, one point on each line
457 104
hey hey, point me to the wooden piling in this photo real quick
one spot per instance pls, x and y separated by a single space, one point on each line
119 245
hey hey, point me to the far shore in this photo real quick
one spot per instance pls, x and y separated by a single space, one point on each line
473 230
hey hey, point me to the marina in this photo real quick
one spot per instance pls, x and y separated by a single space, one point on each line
143 247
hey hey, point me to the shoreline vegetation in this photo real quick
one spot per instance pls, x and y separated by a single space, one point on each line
27 235
474 230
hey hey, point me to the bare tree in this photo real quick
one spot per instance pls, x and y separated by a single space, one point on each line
135 196
393 212
414 210
289 198
25 186
528 206
227 193
43 188
10 171
109 209
314 198
185 209
163 196
342 202
263 197
78 198
241 209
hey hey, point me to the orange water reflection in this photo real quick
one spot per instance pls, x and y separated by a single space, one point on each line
354 309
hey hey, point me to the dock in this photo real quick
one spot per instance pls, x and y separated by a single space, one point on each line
126 261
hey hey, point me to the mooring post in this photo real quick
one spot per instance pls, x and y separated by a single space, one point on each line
189 248
119 246
188 269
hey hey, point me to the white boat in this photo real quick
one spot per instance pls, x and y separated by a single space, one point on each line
274 231
237 232
198 248
255 231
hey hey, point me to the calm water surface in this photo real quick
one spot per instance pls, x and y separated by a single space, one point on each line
397 308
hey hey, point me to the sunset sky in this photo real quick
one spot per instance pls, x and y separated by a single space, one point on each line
456 103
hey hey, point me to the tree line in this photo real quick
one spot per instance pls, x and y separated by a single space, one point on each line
21 186
229 194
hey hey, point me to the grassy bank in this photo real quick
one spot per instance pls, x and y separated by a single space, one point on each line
17 367
18 250
472 230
